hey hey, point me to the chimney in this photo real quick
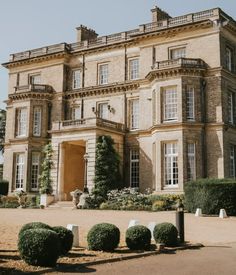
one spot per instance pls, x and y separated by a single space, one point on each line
158 14
84 33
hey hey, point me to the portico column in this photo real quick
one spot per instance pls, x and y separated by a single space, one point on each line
61 169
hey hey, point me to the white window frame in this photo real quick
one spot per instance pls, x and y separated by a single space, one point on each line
76 79
76 112
170 103
229 55
103 74
35 79
35 170
177 53
21 120
190 103
134 167
232 156
134 113
231 107
191 161
19 171
134 69
37 121
170 160
103 110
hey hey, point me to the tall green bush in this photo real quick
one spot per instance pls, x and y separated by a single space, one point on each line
211 195
107 174
45 181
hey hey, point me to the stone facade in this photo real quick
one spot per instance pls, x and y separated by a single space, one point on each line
165 92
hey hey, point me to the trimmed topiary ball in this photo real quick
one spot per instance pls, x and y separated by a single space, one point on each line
166 233
138 237
34 225
39 247
66 238
103 237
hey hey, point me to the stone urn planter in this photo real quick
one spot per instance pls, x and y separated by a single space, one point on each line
46 199
82 201
22 198
76 197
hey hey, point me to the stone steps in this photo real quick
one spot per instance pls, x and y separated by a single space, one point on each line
61 204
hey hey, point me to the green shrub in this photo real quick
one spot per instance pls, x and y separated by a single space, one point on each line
40 247
159 206
169 201
104 237
138 237
66 238
166 233
4 187
34 225
211 195
9 202
107 164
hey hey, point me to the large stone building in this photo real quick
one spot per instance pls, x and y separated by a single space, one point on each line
165 92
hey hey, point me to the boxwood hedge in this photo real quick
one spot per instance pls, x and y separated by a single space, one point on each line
211 195
39 247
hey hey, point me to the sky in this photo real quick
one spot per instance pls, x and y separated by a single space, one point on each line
29 24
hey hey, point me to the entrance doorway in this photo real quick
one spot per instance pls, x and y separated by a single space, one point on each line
73 167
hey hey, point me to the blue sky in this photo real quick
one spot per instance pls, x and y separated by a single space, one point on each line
28 24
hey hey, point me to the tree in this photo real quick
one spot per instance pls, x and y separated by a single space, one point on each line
45 181
2 128
107 174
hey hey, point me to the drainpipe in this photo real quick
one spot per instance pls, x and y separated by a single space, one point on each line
203 135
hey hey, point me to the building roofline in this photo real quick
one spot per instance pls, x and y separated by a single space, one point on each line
117 38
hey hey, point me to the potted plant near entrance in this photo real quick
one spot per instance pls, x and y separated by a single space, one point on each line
45 181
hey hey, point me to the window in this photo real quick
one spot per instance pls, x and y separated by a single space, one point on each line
35 171
21 121
229 55
35 79
231 106
171 164
37 122
103 74
134 114
232 173
134 168
191 161
76 113
134 69
103 110
178 53
190 103
76 79
19 172
170 103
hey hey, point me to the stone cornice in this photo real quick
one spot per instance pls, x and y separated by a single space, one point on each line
29 95
174 72
178 126
38 59
103 89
